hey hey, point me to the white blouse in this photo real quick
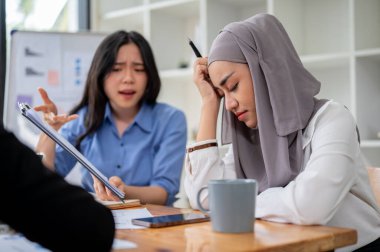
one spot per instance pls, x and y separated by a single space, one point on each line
332 189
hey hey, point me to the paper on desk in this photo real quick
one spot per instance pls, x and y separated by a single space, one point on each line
114 205
123 244
123 218
18 243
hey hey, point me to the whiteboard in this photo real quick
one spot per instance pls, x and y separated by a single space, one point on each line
56 61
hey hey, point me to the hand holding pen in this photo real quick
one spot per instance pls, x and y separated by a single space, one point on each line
211 98
201 76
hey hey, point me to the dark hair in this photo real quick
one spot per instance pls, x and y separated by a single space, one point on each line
104 58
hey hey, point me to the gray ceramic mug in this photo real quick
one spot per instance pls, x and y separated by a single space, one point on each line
232 204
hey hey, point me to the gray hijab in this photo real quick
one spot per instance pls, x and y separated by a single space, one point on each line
284 94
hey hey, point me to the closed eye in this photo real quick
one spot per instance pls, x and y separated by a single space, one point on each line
234 87
116 69
138 66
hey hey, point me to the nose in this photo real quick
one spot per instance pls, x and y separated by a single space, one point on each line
230 102
128 76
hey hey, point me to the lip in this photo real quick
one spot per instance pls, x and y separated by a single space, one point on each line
127 93
240 115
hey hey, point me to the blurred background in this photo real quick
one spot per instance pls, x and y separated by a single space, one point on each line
338 41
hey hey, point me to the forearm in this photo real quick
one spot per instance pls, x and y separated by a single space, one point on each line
327 179
203 165
208 121
147 194
46 146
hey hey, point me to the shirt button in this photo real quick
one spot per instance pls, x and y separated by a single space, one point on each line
118 166
122 144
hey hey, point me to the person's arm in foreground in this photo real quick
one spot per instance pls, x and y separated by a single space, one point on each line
46 209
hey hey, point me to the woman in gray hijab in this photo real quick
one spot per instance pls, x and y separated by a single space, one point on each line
304 152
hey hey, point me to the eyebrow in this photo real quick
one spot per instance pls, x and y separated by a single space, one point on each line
224 80
133 63
137 63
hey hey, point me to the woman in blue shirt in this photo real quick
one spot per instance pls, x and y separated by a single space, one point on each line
119 127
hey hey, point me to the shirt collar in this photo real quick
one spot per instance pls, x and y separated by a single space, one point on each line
107 113
143 118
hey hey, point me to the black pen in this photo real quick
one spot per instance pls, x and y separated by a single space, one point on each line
197 53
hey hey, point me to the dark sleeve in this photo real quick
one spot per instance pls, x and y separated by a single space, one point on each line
45 208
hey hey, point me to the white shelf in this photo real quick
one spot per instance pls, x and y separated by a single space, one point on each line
370 143
102 7
367 94
170 29
170 3
338 42
367 52
124 12
221 12
367 22
316 27
176 73
139 9
325 60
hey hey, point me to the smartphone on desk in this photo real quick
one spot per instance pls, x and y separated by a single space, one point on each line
170 220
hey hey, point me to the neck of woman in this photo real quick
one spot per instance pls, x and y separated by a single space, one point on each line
124 118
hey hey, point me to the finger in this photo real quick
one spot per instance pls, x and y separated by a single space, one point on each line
62 118
59 119
99 189
117 182
44 95
204 71
101 192
42 108
95 184
111 195
201 61
201 74
95 188
71 117
201 68
94 178
50 118
199 71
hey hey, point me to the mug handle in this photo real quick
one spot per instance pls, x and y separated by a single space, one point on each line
199 201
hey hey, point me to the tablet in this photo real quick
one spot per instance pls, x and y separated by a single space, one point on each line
171 220
33 117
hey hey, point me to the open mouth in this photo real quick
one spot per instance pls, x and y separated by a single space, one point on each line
127 93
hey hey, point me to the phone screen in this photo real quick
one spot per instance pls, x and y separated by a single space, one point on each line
171 220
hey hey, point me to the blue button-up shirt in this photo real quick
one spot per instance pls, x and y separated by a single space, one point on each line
149 153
